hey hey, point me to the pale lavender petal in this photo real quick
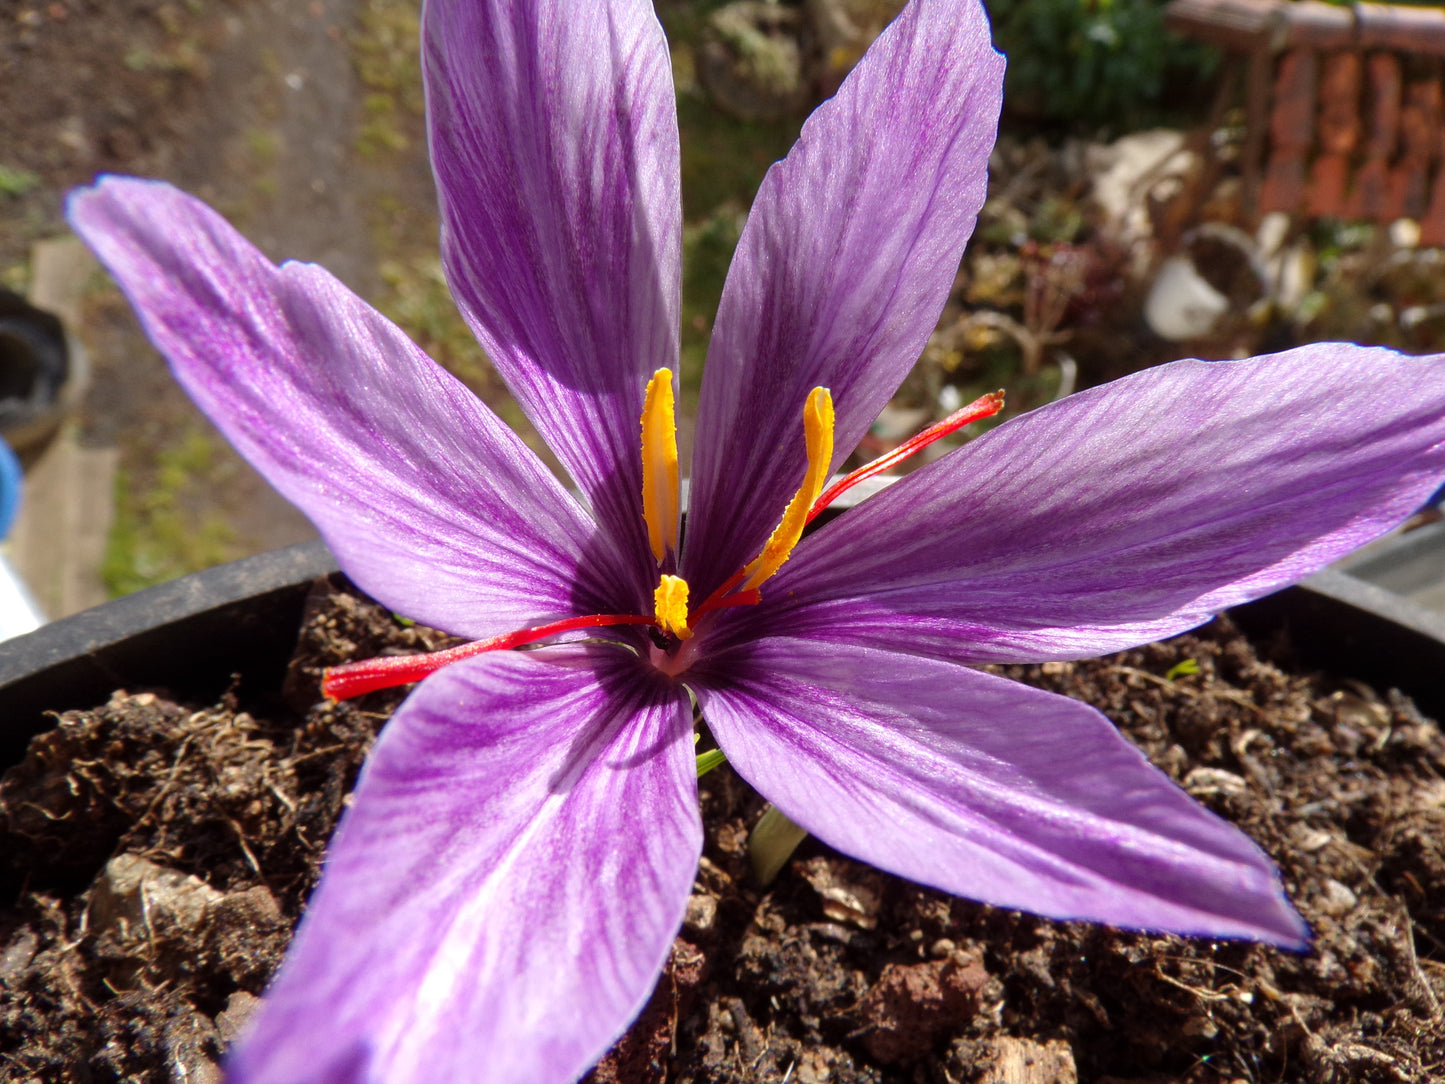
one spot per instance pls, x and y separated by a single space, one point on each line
503 894
985 788
847 259
554 141
428 501
1128 512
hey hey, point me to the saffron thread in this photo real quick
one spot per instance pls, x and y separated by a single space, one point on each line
367 675
985 406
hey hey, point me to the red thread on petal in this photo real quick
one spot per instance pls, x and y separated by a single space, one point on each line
367 675
715 600
985 406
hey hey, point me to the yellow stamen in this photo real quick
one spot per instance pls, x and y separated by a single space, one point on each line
659 465
670 600
818 432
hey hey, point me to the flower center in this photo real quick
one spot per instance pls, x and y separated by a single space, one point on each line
672 623
670 606
661 504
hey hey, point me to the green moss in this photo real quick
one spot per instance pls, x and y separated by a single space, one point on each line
184 57
16 277
707 251
264 145
16 182
723 163
157 535
386 52
723 158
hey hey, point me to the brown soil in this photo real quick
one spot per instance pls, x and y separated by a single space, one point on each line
158 854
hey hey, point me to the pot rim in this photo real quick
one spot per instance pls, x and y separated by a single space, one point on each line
191 634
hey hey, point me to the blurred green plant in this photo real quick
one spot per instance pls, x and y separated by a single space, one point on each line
1098 62
16 182
386 51
707 251
1183 668
156 535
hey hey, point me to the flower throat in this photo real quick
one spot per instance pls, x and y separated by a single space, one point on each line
673 621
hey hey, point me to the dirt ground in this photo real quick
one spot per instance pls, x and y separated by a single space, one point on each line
156 856
253 105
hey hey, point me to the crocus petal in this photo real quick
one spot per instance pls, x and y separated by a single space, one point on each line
848 256
499 901
985 788
1128 512
554 141
428 501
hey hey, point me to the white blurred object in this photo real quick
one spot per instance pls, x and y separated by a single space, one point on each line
1126 171
1405 233
1289 266
1181 305
1068 375
19 612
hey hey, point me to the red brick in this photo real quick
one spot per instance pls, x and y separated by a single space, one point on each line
1419 139
1329 178
1291 127
1370 197
1339 117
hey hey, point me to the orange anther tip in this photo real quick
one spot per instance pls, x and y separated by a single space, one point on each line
660 488
818 436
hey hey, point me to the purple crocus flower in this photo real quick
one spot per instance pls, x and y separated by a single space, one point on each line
501 897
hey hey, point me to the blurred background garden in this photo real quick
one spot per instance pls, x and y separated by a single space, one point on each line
1215 179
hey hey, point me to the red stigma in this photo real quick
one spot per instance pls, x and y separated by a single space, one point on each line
367 675
985 406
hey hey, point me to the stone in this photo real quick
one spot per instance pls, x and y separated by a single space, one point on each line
913 1005
133 896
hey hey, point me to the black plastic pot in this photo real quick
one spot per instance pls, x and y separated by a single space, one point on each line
193 635
34 368
1344 625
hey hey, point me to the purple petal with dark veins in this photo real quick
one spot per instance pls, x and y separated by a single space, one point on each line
428 501
1128 512
847 258
501 898
986 788
554 140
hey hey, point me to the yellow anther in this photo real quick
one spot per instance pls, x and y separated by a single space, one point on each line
818 432
659 467
670 601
